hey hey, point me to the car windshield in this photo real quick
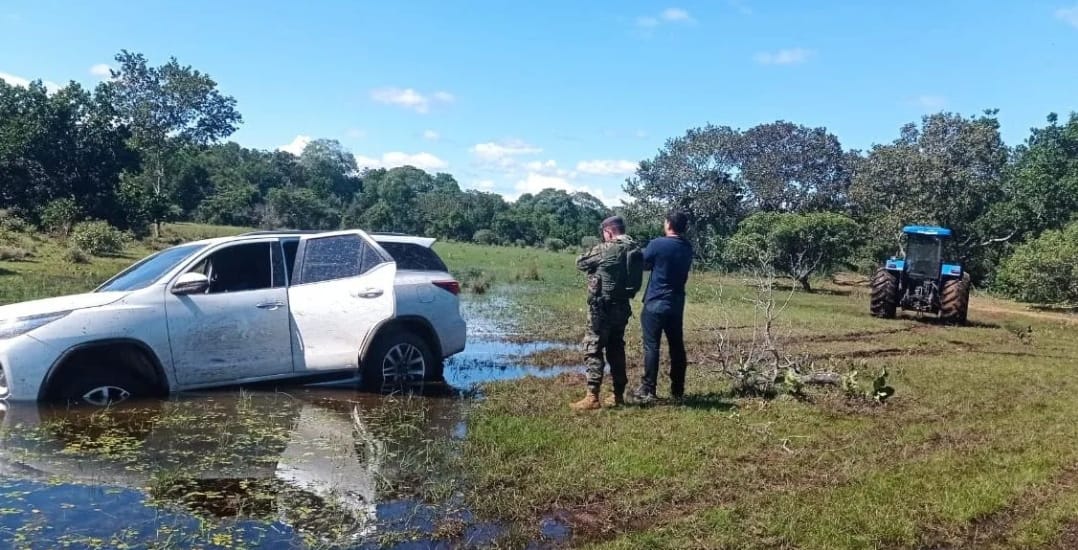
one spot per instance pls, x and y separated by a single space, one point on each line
150 269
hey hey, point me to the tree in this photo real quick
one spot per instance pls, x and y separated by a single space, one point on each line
166 108
1041 186
1044 270
948 172
329 169
696 173
61 145
790 168
799 245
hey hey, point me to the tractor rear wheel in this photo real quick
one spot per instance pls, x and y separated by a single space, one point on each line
954 299
884 294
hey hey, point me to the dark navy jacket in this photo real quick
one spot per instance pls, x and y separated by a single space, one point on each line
669 259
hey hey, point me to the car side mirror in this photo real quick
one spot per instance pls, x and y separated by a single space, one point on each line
191 283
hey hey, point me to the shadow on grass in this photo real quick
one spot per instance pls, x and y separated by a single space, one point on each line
1068 310
936 321
705 402
5 272
785 287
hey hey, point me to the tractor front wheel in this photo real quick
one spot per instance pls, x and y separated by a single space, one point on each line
884 294
954 299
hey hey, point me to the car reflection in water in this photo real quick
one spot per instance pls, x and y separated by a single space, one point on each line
330 464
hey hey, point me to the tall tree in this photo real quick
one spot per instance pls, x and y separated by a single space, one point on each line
60 146
330 169
948 171
166 108
694 172
786 167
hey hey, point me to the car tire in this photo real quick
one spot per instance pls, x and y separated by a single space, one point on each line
100 387
399 359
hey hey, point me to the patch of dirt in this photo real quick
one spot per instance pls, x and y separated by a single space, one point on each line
1002 308
1068 536
993 528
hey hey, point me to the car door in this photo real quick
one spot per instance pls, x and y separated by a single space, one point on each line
239 328
343 289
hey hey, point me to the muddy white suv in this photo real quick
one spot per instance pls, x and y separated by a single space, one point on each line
259 307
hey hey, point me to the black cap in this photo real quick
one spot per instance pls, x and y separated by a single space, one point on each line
616 222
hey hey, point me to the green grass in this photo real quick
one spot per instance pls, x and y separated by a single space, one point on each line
980 433
976 449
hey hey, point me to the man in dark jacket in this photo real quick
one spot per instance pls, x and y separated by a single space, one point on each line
669 258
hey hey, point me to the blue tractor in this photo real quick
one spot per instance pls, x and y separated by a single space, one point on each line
922 281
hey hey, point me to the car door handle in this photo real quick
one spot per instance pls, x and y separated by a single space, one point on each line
368 293
270 305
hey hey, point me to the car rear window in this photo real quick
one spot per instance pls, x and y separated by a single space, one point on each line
414 257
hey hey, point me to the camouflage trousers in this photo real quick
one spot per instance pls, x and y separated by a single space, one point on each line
604 342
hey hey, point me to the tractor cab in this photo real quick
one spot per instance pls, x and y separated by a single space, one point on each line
921 280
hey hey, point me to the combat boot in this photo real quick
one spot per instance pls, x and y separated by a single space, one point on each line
589 403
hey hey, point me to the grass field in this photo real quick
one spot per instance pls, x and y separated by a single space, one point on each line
977 449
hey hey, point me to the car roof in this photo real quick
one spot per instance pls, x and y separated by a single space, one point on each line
426 242
932 230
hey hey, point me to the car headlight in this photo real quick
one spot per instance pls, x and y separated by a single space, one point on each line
17 326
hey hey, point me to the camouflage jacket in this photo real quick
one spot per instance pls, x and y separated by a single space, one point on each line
606 268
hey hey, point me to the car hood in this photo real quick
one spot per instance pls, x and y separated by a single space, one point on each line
61 303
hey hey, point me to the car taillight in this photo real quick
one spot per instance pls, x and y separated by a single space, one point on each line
451 286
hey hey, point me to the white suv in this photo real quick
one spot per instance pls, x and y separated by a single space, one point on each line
259 307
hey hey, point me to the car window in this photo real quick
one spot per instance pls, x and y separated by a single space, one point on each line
240 268
277 261
410 256
338 257
150 269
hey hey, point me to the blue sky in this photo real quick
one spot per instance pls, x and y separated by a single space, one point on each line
516 97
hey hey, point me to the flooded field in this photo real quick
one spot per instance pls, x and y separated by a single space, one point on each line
306 467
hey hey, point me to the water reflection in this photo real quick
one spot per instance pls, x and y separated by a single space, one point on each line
326 463
326 466
302 467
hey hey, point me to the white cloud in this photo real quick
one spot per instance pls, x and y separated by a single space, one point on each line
931 102
410 98
534 183
675 15
101 70
431 135
297 146
484 185
422 160
606 167
356 133
647 22
21 82
669 15
789 56
1068 16
495 152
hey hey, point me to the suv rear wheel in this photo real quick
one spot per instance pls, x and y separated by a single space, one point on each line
399 358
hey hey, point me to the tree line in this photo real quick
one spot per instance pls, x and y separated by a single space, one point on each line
793 195
146 146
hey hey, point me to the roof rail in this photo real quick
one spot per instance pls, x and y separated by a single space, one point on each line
281 232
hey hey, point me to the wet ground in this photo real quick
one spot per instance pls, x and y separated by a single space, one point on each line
298 467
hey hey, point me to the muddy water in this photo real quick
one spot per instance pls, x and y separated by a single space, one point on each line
298 467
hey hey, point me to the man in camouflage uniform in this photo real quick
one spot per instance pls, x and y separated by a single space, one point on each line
608 312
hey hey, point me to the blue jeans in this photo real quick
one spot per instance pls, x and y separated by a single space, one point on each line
664 317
